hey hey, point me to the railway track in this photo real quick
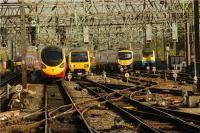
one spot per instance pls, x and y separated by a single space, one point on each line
149 83
104 108
141 95
181 77
60 113
57 115
11 79
149 116
102 116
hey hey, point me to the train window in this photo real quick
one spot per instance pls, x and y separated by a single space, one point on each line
18 59
79 57
52 57
149 53
124 55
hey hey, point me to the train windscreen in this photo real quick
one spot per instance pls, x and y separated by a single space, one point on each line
79 57
52 57
18 59
124 55
147 53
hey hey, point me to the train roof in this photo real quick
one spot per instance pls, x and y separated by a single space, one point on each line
78 49
52 47
147 50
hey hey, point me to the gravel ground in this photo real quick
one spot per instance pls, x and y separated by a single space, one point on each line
34 98
169 84
162 100
100 79
96 113
31 99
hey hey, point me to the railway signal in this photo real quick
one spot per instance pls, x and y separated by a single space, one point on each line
154 70
19 89
185 95
32 35
195 79
121 70
69 76
148 68
8 90
61 31
127 75
167 56
104 76
175 74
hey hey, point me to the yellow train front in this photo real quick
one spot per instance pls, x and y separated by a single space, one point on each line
79 62
148 57
125 59
17 63
53 62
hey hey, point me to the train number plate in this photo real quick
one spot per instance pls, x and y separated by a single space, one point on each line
79 74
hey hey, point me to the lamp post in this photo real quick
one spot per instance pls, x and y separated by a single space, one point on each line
167 56
23 43
197 45
195 70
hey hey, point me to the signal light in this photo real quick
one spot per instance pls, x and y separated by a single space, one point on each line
33 42
32 32
72 65
62 39
62 65
86 65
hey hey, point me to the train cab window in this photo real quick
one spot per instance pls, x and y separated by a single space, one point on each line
52 57
18 59
124 55
147 53
79 57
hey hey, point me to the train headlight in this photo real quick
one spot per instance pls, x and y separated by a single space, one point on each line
86 65
62 65
42 66
72 65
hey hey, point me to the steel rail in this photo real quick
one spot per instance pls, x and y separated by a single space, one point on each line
185 125
66 93
189 78
48 103
146 128
186 116
195 118
11 79
151 87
